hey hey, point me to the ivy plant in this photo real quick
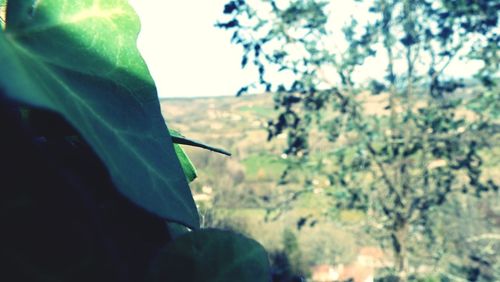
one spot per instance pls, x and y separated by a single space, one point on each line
92 183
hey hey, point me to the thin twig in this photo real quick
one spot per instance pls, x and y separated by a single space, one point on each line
189 142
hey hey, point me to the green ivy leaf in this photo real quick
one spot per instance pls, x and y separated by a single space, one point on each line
211 255
79 59
186 164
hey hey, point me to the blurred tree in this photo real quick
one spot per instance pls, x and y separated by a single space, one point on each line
471 243
291 248
402 158
295 268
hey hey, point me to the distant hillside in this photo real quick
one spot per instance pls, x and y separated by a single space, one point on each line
238 188
235 124
234 192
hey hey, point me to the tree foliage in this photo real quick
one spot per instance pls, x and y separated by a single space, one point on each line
423 144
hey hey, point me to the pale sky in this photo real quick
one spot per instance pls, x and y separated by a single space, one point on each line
189 57
185 53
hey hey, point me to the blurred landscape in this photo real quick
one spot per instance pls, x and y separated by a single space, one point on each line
303 229
374 155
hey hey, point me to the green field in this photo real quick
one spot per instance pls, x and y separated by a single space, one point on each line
263 166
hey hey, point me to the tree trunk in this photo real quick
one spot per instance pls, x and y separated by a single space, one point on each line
399 244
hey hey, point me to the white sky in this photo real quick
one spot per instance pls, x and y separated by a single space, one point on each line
188 57
185 53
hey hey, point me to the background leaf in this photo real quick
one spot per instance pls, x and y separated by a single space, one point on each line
211 255
79 59
186 164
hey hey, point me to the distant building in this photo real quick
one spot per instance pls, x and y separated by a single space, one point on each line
363 269
324 273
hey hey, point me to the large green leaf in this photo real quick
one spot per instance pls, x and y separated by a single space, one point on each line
79 59
2 13
211 255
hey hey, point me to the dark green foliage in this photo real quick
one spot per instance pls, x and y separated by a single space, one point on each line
91 185
281 268
103 89
211 255
291 248
62 218
280 265
287 264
